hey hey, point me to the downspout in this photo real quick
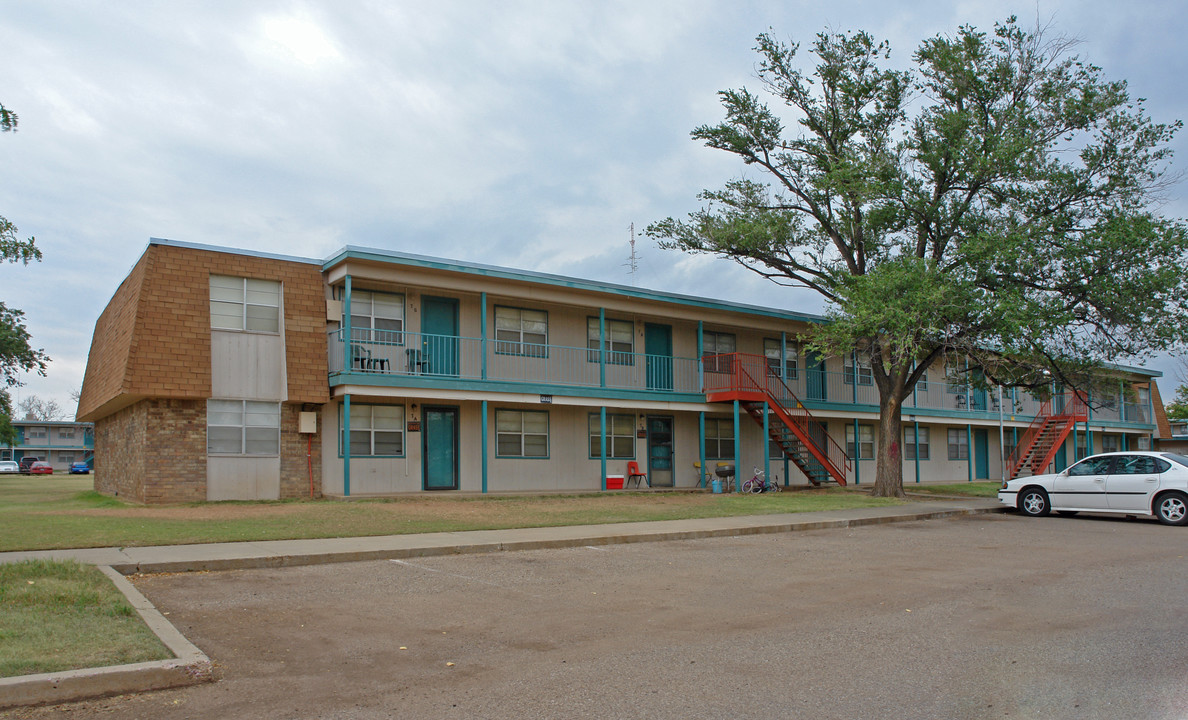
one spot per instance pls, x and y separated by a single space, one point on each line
602 442
484 443
737 450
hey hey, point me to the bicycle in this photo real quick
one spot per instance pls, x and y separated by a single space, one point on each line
759 483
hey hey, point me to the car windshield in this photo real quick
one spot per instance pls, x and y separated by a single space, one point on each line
1180 459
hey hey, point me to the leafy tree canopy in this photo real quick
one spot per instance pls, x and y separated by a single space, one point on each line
16 355
992 203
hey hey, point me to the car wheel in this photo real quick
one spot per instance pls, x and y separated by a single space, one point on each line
1172 509
1034 502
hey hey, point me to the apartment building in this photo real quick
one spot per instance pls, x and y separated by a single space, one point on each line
61 443
218 373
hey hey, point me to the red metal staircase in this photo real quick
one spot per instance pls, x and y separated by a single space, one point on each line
748 379
1043 438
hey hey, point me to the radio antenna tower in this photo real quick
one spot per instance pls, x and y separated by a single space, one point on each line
633 261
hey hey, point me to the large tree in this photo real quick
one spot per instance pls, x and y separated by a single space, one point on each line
16 355
992 203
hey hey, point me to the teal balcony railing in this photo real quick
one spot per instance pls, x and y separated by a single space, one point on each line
384 353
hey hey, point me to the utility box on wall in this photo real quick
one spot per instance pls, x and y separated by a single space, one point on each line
307 422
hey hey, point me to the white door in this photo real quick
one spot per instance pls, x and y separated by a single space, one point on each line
1133 480
1082 486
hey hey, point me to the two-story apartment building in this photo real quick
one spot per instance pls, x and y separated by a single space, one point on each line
217 373
61 443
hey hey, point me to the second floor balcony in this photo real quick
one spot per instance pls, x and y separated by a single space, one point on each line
413 358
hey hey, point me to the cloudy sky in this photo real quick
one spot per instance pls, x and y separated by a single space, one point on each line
525 134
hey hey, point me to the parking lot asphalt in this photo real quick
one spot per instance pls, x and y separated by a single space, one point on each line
976 616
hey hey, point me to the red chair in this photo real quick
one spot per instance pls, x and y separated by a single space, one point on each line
633 474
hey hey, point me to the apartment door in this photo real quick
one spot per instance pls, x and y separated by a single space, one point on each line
439 452
439 336
814 376
660 450
981 455
658 349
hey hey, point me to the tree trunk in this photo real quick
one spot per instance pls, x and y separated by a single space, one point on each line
889 454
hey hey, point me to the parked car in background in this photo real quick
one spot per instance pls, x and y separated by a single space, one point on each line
9 466
80 468
27 462
1128 483
41 468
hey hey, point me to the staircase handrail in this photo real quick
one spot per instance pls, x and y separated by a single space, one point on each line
738 369
1015 459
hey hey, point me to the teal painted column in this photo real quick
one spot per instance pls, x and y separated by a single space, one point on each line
602 363
346 444
701 446
602 442
737 450
969 451
346 401
766 445
854 365
857 449
483 350
1074 444
347 360
917 431
484 443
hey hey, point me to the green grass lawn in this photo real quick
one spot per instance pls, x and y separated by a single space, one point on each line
62 511
62 616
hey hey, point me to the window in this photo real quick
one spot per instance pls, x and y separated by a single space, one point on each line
1082 449
521 332
909 443
620 435
65 433
521 433
377 317
715 343
242 427
1093 466
1144 442
1109 443
955 381
66 458
244 304
772 350
1140 465
865 447
620 341
859 362
719 439
376 430
958 444
38 433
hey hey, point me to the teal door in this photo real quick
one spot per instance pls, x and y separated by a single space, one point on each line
658 349
981 455
814 377
660 451
439 336
439 435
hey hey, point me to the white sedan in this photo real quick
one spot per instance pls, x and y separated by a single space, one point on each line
1131 483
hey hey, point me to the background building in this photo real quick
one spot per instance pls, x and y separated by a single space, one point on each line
59 442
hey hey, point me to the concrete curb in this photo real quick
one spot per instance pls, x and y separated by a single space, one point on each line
188 667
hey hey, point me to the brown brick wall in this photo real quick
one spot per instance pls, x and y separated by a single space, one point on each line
175 451
119 453
153 339
294 470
